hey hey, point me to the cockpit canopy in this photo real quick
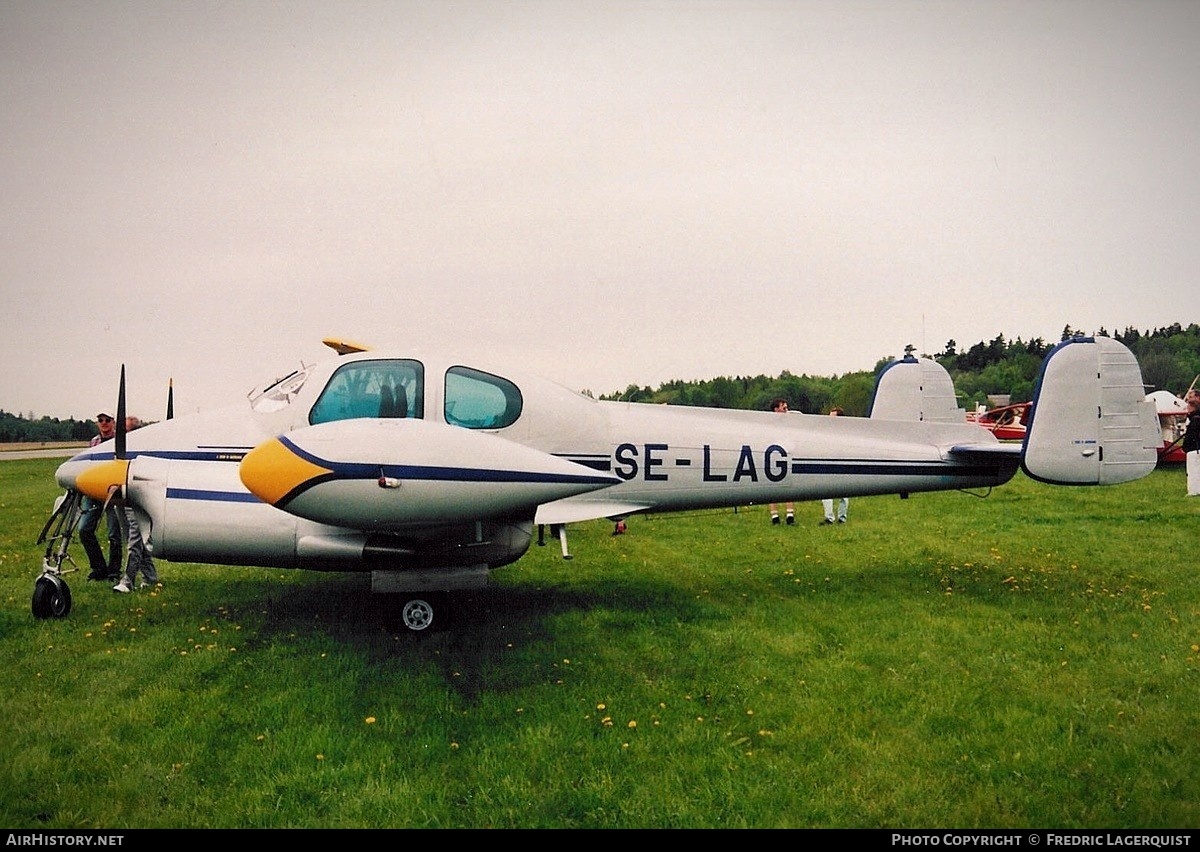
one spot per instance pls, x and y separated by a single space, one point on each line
395 387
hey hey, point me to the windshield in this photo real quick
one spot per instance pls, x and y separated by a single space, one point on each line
376 388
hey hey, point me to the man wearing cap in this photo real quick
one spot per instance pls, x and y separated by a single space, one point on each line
89 520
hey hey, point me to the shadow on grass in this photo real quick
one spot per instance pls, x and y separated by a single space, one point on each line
482 640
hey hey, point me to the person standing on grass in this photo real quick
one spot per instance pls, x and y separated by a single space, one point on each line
780 406
89 520
139 555
843 503
1191 442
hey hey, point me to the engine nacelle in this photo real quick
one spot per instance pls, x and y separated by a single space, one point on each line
391 476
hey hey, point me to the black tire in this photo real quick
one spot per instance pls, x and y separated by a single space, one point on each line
51 598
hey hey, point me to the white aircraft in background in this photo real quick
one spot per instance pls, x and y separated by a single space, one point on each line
429 473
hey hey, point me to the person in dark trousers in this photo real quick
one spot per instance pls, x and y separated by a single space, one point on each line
780 406
89 521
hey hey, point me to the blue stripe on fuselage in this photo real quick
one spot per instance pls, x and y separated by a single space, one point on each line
211 496
882 468
213 454
436 473
596 461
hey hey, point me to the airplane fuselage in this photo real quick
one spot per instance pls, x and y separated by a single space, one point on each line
428 473
308 474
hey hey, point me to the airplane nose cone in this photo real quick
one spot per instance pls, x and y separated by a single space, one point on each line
274 470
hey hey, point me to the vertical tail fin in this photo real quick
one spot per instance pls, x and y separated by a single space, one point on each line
1091 423
915 389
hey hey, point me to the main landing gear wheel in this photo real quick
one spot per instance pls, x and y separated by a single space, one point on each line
51 597
417 614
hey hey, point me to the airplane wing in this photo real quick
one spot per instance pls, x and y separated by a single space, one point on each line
571 511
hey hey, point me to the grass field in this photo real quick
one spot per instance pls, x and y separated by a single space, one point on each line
1027 660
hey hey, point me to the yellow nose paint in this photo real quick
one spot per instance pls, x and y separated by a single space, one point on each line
271 471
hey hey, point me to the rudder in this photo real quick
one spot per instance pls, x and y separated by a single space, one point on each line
1091 423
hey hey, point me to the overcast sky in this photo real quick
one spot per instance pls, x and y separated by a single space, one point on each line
606 192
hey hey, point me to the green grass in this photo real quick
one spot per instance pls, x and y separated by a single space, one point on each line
1026 660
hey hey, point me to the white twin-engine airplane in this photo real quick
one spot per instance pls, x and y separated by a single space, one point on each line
429 473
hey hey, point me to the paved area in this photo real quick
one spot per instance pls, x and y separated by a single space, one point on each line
52 453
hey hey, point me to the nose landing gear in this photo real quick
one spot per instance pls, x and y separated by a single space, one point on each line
51 595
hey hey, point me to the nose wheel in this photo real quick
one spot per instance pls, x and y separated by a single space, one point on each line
51 597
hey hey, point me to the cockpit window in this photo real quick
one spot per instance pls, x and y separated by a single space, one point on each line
479 400
385 388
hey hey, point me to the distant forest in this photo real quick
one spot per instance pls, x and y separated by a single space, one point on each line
16 428
1169 357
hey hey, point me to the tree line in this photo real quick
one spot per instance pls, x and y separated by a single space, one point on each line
18 429
1169 358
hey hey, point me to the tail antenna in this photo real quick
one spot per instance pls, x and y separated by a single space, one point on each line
170 398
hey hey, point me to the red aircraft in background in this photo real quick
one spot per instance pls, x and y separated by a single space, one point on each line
1006 423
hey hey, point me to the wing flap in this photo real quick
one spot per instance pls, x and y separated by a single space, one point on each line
572 511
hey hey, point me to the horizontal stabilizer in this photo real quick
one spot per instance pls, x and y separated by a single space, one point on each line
1091 422
984 452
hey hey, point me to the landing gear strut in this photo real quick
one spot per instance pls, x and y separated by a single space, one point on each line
559 530
51 595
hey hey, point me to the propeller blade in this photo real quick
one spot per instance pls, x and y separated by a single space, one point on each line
120 424
113 492
170 398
